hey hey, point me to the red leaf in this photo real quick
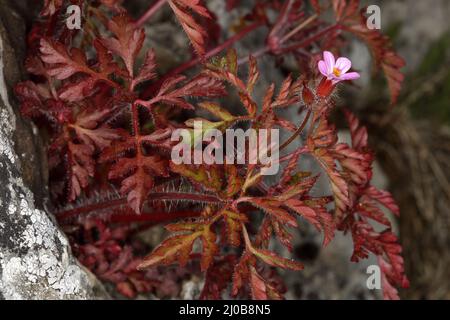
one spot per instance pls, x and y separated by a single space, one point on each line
196 33
174 248
127 42
240 274
77 90
81 167
273 207
217 278
273 260
282 234
35 66
392 266
248 103
32 100
358 132
86 128
289 93
338 184
324 138
246 274
289 169
352 20
233 226
262 290
357 167
67 64
226 69
147 70
316 5
318 216
138 184
106 64
209 249
234 181
137 172
385 246
179 247
296 188
209 177
253 74
50 7
270 257
369 209
384 198
200 86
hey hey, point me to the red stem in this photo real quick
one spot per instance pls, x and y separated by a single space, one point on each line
256 55
192 63
262 51
153 217
109 204
310 40
135 115
266 49
90 208
183 196
298 131
153 8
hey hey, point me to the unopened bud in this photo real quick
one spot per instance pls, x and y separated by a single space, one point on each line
307 95
325 88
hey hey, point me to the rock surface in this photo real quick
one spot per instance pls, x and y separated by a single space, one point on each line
35 257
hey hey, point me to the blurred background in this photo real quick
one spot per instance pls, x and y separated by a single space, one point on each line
412 139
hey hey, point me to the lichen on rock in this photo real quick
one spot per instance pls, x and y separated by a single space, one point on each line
35 257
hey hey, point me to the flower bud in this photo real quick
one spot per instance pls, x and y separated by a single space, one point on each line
325 88
307 95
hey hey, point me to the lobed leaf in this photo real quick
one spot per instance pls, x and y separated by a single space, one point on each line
196 33
274 208
233 226
127 41
274 260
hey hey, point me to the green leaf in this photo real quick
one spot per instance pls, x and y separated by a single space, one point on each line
217 110
274 260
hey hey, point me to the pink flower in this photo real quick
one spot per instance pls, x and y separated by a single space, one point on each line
336 71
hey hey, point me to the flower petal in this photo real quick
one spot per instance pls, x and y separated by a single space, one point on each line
343 64
323 68
349 76
328 57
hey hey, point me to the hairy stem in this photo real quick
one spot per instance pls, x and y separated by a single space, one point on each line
298 131
153 217
311 39
111 204
258 53
72 213
147 15
266 49
298 28
211 53
184 197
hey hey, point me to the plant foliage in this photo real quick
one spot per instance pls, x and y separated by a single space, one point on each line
89 92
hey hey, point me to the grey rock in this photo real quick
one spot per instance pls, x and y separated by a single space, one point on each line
35 257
